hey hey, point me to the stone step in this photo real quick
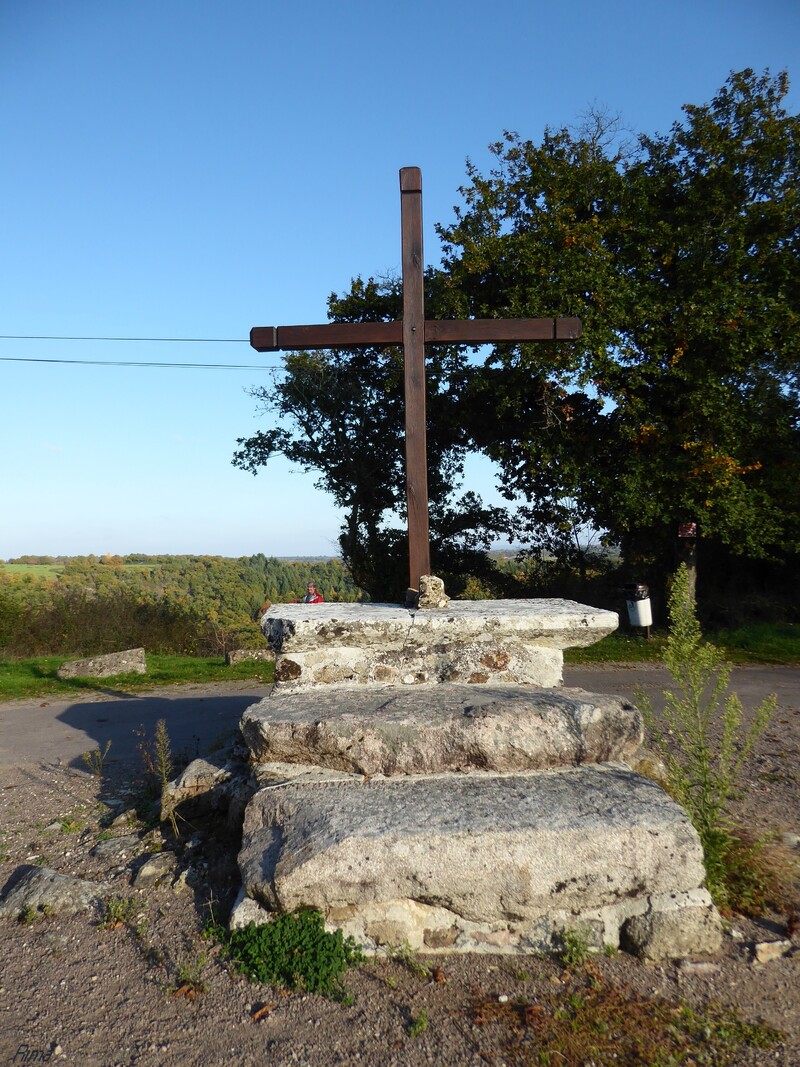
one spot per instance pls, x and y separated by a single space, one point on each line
474 642
447 728
456 861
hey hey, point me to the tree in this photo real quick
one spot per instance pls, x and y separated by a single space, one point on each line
340 413
680 401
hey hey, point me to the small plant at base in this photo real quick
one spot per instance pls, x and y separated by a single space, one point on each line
419 1025
118 911
573 948
189 978
294 950
702 774
406 955
69 825
94 760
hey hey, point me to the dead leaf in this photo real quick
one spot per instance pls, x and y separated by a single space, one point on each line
261 1013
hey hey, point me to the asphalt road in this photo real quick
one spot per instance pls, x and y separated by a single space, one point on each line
55 731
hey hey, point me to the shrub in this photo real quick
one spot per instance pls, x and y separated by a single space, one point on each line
709 743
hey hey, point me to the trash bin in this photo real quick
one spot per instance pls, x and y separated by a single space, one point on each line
637 598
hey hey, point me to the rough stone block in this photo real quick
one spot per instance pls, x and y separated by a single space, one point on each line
488 848
131 661
449 728
474 642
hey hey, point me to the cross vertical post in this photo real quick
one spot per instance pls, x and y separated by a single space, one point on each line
419 554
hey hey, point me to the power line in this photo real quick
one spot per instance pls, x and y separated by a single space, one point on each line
131 363
172 340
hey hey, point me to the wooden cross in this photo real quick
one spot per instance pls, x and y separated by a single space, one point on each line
413 333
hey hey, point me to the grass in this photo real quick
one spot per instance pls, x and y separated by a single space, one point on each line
35 570
776 643
22 679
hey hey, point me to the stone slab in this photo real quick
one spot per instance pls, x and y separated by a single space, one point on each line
489 848
548 623
474 642
131 661
447 728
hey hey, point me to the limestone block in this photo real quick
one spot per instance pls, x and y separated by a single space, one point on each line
487 847
473 663
450 728
130 662
547 623
474 642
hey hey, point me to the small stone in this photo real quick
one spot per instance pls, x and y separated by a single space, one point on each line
502 999
156 867
766 951
698 967
790 840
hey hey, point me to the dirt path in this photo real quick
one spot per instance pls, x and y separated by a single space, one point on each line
84 994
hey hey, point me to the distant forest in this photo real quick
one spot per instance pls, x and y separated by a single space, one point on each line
204 605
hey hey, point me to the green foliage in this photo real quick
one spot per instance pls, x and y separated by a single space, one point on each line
167 604
573 948
294 950
700 735
680 399
418 1025
118 911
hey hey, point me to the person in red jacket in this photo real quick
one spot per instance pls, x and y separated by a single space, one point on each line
312 596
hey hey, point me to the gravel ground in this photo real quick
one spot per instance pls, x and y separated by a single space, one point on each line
152 991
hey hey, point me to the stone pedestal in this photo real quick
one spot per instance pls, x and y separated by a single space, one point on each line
417 786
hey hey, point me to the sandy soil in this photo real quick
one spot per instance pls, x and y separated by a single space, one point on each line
75 991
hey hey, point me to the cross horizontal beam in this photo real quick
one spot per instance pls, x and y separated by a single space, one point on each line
438 331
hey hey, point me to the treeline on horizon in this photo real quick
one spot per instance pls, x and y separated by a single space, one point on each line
195 605
208 605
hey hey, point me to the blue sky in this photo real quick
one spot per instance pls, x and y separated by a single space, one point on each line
189 168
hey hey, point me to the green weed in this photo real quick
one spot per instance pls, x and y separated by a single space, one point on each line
69 825
701 738
573 948
419 1025
156 753
294 950
405 955
118 911
189 978
94 760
